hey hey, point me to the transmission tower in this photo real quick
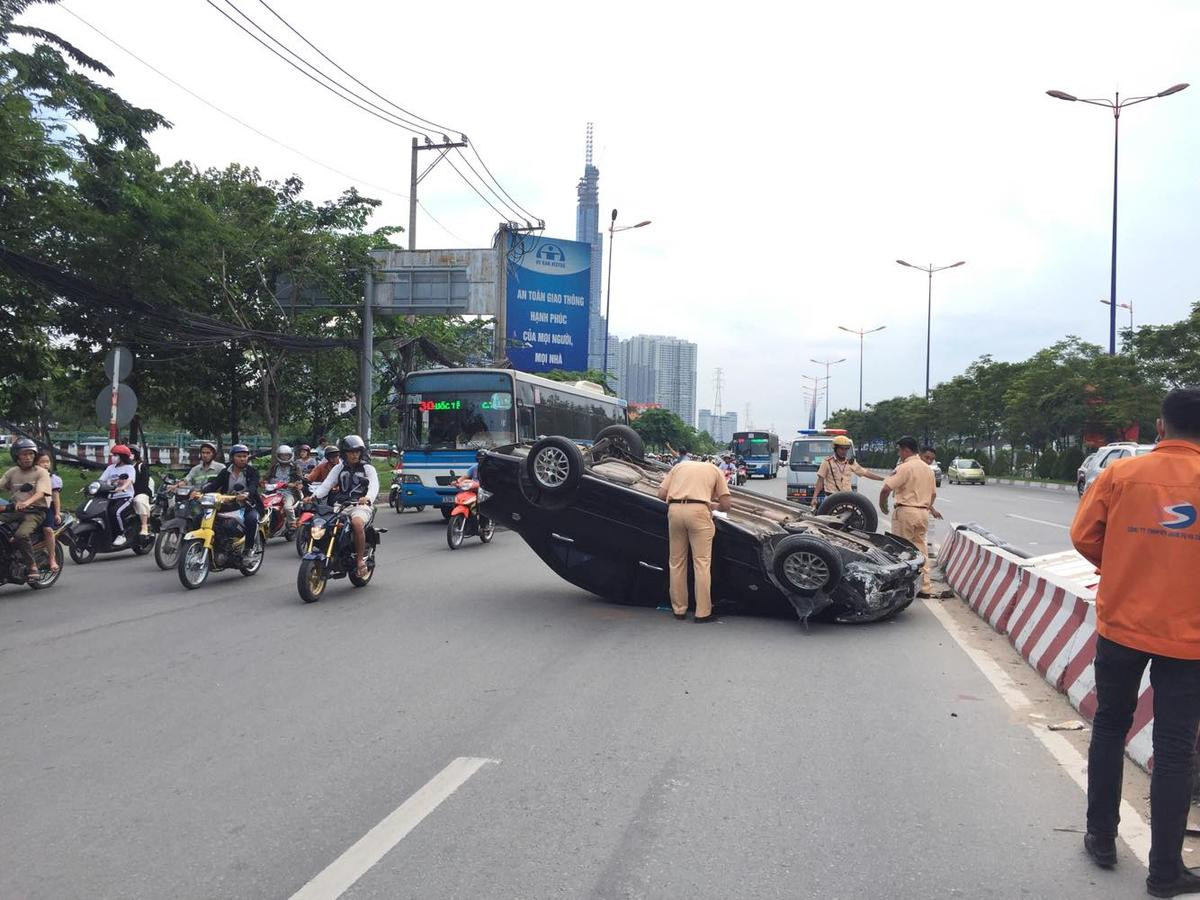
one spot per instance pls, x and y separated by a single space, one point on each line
718 372
746 427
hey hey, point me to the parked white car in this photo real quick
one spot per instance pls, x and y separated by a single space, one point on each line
1105 456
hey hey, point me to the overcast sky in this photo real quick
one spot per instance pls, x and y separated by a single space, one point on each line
787 154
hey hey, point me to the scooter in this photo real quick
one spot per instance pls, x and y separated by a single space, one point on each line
273 495
330 552
12 566
465 518
218 542
90 533
182 517
742 474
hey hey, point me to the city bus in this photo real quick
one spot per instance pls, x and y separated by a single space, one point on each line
448 415
809 450
760 450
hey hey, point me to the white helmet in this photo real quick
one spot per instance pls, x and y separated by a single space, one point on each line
284 450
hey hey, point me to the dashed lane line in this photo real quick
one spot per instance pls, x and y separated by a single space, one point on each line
1039 521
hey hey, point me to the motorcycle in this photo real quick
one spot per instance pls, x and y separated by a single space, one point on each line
304 516
183 516
396 491
331 553
465 518
742 474
90 533
218 543
12 567
273 495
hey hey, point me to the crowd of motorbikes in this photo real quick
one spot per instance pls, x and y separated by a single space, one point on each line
197 532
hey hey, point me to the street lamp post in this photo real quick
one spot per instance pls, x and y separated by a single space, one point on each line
1116 105
613 229
1128 306
929 269
861 332
828 364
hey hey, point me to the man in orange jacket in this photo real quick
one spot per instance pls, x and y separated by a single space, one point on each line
1138 523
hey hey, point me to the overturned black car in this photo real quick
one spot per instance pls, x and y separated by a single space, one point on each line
593 515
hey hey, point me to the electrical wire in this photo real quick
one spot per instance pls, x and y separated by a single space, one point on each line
470 184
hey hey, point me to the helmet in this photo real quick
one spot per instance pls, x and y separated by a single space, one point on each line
238 448
122 450
331 451
21 446
210 445
842 441
351 442
284 450
135 452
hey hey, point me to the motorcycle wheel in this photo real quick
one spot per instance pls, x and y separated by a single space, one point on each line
194 564
369 556
166 549
141 544
487 529
48 578
398 504
310 581
81 556
456 528
253 561
301 541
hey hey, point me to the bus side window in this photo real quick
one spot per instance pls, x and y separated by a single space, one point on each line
525 429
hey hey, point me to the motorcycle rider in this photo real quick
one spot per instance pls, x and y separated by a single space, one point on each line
353 480
54 513
207 469
29 495
142 490
727 467
121 475
241 479
284 468
305 461
323 468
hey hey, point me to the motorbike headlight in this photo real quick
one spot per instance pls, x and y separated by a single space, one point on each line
317 530
208 500
93 488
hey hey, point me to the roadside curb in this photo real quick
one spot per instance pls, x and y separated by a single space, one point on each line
1046 608
1043 485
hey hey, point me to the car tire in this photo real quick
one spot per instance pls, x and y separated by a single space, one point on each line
862 514
624 441
555 466
806 565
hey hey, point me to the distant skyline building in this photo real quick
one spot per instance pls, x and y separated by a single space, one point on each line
657 369
720 426
587 230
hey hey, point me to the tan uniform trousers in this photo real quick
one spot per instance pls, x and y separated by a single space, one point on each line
691 524
912 524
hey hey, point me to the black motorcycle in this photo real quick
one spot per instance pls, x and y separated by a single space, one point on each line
180 517
12 566
91 534
331 552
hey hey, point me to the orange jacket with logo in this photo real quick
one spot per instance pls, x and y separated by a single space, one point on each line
1138 523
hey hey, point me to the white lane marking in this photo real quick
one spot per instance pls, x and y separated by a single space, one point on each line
336 878
1039 521
1133 828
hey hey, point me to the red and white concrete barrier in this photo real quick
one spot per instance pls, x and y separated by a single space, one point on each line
1046 608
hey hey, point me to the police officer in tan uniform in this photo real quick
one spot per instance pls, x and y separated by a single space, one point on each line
693 489
915 490
837 472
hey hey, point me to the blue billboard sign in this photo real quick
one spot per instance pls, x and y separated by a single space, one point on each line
547 300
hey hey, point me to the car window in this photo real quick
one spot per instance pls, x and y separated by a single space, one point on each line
1109 457
1142 451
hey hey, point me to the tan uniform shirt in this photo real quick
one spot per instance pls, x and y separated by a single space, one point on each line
694 480
912 483
21 484
839 474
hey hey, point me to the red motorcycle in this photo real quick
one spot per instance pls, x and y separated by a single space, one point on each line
465 519
274 516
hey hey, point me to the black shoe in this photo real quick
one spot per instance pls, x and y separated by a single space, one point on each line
1188 882
680 616
700 620
1102 850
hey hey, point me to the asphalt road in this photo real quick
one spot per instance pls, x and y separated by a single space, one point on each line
233 742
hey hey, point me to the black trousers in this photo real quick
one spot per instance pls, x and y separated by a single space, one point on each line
250 525
1176 684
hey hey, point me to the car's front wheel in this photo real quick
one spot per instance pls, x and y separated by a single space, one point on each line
807 565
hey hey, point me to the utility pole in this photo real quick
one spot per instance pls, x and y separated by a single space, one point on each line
718 372
500 355
416 179
366 371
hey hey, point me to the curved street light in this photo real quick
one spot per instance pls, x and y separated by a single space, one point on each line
862 333
929 270
1116 105
828 364
613 229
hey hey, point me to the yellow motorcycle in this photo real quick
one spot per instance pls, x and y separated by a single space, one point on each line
218 543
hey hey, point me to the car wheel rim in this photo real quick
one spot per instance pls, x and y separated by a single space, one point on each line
806 571
551 467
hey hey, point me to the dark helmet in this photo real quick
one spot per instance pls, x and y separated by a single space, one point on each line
351 442
21 446
331 451
135 452
238 448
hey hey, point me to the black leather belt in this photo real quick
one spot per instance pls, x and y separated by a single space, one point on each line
705 502
911 506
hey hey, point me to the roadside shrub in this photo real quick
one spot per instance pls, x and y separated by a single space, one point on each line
1047 464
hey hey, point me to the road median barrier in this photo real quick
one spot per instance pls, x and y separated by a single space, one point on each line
1045 606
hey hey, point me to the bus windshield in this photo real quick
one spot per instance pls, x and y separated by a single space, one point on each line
751 445
458 411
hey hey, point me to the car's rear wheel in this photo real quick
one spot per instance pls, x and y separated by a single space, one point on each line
807 565
622 441
555 466
854 509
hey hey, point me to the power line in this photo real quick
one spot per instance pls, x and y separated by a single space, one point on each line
516 213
